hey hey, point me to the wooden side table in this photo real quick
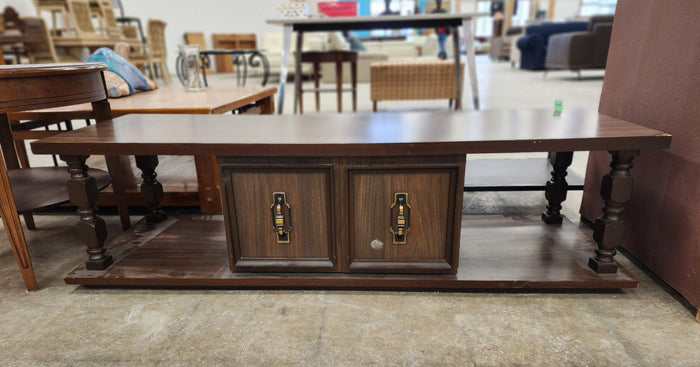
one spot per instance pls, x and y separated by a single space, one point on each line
337 57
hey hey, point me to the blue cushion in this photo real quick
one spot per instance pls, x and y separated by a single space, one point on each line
133 77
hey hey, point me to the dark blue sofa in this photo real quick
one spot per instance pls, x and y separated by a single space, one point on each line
533 45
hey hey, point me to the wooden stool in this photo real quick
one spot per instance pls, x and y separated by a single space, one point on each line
338 57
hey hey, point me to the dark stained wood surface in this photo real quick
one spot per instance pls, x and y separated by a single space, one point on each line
16 71
497 252
357 134
39 88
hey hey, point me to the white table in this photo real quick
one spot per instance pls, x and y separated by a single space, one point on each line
301 25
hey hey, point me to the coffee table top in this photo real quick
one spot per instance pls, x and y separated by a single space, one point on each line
379 134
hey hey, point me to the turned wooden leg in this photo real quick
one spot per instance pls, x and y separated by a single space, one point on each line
353 81
317 94
339 84
556 189
151 189
92 230
616 189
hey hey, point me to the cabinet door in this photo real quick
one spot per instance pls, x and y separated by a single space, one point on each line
279 216
404 218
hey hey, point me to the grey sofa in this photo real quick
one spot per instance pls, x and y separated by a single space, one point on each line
581 50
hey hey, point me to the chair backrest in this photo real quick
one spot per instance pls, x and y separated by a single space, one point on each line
156 38
109 20
41 52
81 16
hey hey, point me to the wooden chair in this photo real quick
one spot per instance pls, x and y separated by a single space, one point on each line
43 52
159 53
81 16
154 55
337 57
25 190
57 8
107 19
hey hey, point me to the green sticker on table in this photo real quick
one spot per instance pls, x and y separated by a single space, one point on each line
558 105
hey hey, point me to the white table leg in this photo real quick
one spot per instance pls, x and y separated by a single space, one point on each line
286 48
471 60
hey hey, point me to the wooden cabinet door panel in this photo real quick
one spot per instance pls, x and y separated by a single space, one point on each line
248 201
431 239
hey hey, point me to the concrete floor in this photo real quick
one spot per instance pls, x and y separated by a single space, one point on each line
62 325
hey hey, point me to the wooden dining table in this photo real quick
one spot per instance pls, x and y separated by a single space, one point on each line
182 188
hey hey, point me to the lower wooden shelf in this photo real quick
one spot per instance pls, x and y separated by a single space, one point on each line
497 252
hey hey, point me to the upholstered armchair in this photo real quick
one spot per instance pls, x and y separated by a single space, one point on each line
533 45
581 50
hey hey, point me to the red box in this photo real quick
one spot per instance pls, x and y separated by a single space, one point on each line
338 8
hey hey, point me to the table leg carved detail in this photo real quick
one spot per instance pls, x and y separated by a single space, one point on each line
92 230
151 189
556 187
616 189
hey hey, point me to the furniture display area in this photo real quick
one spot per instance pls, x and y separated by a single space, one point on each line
453 21
412 80
581 50
358 201
181 187
533 45
652 79
337 58
29 189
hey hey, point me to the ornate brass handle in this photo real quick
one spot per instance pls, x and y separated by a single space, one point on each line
400 218
281 217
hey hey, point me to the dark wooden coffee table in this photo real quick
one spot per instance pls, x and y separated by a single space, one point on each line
359 201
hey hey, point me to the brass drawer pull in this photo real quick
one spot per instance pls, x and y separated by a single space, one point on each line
281 217
400 223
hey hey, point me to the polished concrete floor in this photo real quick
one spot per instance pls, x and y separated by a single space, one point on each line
63 325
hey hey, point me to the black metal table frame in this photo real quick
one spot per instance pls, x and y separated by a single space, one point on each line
238 56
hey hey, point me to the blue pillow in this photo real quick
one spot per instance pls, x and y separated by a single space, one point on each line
133 77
